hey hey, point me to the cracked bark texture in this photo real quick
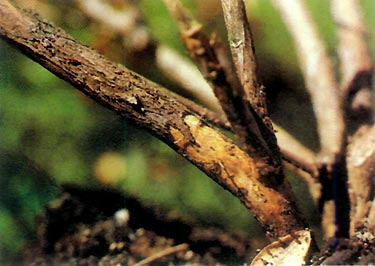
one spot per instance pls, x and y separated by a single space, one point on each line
160 112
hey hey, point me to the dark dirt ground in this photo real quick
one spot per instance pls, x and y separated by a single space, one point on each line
360 250
102 227
87 227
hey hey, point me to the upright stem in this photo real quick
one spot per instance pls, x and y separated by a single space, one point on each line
157 110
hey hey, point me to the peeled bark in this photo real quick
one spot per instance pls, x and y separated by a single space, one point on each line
160 112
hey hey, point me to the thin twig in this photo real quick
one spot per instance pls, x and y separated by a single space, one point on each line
352 44
356 85
253 134
299 159
128 22
166 252
190 79
201 50
296 152
313 184
325 95
124 20
243 54
160 112
355 62
319 76
186 75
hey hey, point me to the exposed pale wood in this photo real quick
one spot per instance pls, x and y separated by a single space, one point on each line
191 80
160 112
255 137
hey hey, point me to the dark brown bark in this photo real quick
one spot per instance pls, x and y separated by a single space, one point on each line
344 111
160 112
241 98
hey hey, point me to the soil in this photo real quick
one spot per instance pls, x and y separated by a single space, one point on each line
87 227
102 227
359 250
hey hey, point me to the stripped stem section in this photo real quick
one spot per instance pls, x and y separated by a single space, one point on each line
128 22
157 110
295 156
256 138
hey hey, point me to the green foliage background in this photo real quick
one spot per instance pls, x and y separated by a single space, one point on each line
51 134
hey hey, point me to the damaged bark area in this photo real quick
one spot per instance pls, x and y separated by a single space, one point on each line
161 113
249 163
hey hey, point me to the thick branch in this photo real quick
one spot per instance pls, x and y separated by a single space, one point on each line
128 22
157 110
190 79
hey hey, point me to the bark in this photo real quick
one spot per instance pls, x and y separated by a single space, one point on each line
320 79
356 66
319 75
243 54
356 86
361 165
296 157
243 105
160 112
